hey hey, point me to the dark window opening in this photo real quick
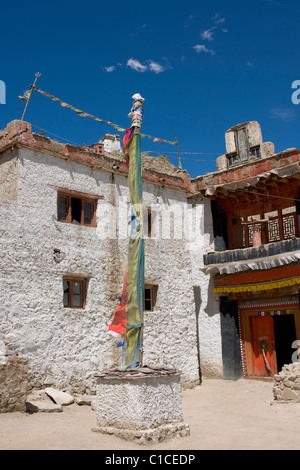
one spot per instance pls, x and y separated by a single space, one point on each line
150 298
147 222
74 292
76 210
220 227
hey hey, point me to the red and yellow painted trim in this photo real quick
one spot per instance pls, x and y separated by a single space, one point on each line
258 281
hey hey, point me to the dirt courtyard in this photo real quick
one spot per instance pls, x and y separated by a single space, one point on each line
223 415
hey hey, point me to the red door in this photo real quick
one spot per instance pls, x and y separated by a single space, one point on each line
263 346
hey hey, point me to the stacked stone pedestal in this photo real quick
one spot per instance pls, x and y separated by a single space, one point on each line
144 405
286 387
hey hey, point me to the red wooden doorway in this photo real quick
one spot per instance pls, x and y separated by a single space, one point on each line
274 320
263 346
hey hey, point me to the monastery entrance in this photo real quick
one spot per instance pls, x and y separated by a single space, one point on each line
268 334
265 304
263 346
285 335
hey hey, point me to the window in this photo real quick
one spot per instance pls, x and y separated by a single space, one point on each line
150 297
254 152
76 209
147 221
74 292
233 159
273 226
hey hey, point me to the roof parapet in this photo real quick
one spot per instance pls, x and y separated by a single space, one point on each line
19 133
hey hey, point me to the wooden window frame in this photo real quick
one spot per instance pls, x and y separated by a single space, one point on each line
84 198
82 293
263 223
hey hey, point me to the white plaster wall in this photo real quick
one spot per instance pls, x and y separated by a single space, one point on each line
67 346
170 331
207 303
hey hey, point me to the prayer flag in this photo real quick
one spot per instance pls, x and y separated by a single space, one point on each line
117 327
83 114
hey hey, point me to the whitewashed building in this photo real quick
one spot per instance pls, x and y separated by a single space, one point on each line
64 214
222 253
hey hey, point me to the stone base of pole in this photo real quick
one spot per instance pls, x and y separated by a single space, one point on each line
143 405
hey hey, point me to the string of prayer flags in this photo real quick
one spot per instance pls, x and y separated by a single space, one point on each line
273 312
79 111
137 111
155 139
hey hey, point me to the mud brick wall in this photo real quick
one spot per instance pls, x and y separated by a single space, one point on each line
13 383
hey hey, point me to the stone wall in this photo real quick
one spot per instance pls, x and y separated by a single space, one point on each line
287 384
13 383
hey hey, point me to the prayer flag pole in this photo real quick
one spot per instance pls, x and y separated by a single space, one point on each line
127 324
179 160
27 99
135 275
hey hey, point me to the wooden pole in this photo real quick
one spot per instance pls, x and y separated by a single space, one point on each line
37 75
136 122
137 130
179 160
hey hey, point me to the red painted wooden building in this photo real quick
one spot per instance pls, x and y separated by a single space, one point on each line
255 204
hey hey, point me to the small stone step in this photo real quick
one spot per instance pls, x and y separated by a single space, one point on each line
44 406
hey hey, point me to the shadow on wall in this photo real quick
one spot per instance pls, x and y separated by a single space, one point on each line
231 350
213 303
197 299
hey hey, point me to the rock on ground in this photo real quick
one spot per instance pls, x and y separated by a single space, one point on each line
84 399
61 398
38 401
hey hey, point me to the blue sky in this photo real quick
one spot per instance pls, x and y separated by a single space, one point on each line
202 67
